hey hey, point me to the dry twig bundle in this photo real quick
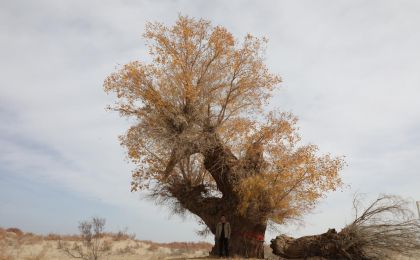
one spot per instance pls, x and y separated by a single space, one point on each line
385 228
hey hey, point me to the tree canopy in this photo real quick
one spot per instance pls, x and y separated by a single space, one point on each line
202 133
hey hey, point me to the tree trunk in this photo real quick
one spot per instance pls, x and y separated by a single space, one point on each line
247 238
247 232
328 245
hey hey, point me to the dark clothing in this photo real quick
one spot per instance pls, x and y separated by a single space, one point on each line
223 246
223 230
222 237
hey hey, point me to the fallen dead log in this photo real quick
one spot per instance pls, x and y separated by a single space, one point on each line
385 227
328 245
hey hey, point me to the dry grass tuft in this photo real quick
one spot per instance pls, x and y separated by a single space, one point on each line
128 249
56 237
17 231
187 246
121 235
40 255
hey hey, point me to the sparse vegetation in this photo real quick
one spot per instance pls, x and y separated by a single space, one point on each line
92 246
122 235
34 246
128 249
17 231
29 246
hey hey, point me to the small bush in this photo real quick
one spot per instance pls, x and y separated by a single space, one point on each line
17 231
91 246
122 235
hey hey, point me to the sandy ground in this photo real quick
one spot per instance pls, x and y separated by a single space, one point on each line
27 246
33 247
48 250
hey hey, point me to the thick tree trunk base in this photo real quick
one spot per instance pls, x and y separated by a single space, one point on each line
246 241
246 238
242 247
327 245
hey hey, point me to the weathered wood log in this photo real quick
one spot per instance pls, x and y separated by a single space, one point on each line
328 245
384 229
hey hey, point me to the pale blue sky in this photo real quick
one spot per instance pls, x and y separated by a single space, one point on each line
350 72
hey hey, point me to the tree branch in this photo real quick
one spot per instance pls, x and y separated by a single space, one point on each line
219 161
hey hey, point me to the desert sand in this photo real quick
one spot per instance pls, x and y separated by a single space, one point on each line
17 245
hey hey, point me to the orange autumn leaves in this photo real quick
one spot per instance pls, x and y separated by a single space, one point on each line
290 178
200 80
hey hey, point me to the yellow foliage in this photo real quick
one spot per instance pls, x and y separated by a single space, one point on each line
203 83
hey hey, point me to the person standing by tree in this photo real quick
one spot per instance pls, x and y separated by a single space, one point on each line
223 236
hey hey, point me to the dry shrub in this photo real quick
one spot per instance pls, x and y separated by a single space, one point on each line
17 231
12 239
56 237
385 228
387 225
128 249
31 238
71 238
153 247
92 245
52 236
121 235
118 236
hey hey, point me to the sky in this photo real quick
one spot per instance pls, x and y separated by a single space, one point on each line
350 71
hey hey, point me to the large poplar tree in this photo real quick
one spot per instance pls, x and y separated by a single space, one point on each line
202 140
